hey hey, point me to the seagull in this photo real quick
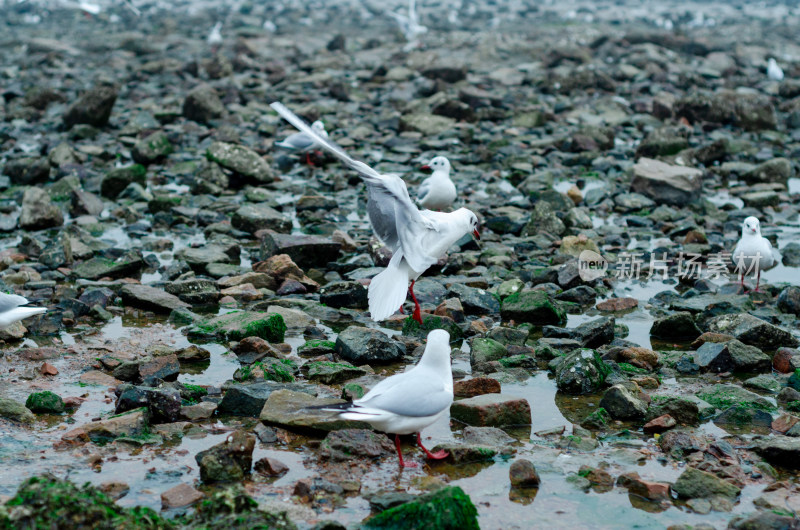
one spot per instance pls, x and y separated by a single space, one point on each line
774 72
437 192
753 251
303 143
214 38
409 24
408 402
416 238
11 310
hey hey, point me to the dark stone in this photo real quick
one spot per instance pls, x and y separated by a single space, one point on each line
364 345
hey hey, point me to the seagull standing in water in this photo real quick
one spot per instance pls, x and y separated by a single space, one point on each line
753 252
408 402
11 309
416 238
301 142
437 192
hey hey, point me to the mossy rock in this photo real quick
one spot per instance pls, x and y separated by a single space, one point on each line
238 325
536 307
48 502
412 328
233 508
317 347
45 403
446 509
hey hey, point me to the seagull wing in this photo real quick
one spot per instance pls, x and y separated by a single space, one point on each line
297 142
11 301
416 393
393 215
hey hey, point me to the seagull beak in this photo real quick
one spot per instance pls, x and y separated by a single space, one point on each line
426 167
476 234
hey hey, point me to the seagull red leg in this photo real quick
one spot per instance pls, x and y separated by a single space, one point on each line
417 313
758 281
438 455
400 453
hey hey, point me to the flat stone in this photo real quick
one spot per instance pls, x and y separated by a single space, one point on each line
151 298
289 409
128 424
694 483
665 183
305 250
180 496
492 410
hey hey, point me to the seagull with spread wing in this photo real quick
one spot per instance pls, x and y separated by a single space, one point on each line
416 238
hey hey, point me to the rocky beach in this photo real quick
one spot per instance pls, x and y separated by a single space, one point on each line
205 287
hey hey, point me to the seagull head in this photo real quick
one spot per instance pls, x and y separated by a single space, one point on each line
438 163
437 349
751 227
319 128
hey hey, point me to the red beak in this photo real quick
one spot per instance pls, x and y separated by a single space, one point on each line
476 234
426 167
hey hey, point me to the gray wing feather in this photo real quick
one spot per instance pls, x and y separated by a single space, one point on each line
10 301
297 142
416 396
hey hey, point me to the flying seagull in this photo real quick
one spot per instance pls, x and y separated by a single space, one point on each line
11 309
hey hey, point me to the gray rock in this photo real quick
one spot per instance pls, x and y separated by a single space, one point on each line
780 450
254 217
151 298
474 301
38 211
93 107
752 330
348 294
346 444
775 170
694 483
486 436
15 411
203 105
622 404
731 356
228 461
241 160
678 326
492 410
27 170
116 180
305 250
364 346
789 300
152 148
164 404
249 399
580 372
544 219
591 334
666 184
194 291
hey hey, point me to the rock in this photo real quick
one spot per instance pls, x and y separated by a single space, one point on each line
581 372
776 170
180 496
93 107
753 331
664 141
789 300
27 170
731 356
618 304
694 483
427 124
464 453
151 298
38 211
744 415
591 334
229 461
597 420
116 180
752 112
329 373
194 291
484 350
448 508
201 411
347 444
241 160
536 307
365 345
242 324
724 396
786 360
115 490
163 404
544 220
474 301
522 474
130 424
15 411
677 326
476 386
582 295
99 267
45 403
684 411
780 451
152 148
486 437
289 409
643 358
254 217
305 250
659 424
666 184
203 105
349 294
448 73
622 404
492 410
249 399
270 467
765 520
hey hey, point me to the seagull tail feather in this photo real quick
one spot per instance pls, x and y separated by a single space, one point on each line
387 290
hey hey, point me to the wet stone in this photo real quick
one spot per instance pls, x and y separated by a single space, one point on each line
364 345
694 483
180 496
45 403
349 294
228 461
492 410
476 386
347 444
622 404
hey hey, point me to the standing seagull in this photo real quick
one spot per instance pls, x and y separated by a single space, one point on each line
410 25
416 238
408 402
11 310
774 71
437 192
751 247
301 142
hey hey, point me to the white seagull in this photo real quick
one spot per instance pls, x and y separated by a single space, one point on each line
214 38
410 25
11 309
774 71
437 192
416 238
753 252
301 142
408 402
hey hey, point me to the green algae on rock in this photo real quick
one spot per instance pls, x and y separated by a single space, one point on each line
536 307
447 509
45 402
238 325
